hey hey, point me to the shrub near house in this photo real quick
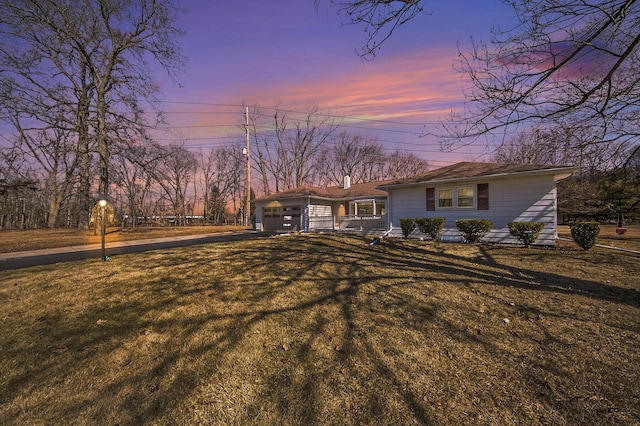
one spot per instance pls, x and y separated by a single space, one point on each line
474 229
585 234
431 226
407 225
526 232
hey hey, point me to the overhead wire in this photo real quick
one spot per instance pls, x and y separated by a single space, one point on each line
345 122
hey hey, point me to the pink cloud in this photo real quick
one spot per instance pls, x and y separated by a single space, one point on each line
409 87
416 89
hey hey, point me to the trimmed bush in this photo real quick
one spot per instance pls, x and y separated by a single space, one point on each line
585 234
473 229
407 226
526 232
432 226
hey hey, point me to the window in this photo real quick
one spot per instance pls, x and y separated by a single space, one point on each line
366 207
465 198
445 198
453 198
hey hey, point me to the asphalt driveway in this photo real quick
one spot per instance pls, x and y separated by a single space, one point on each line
26 259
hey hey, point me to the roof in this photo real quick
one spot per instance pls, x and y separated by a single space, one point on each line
357 190
470 170
454 172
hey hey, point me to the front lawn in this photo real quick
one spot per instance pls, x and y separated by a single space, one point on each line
325 329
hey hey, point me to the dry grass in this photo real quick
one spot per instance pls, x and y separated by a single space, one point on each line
325 330
608 236
35 239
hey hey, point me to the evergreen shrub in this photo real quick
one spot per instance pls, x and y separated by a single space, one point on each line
526 232
431 226
473 229
585 234
407 226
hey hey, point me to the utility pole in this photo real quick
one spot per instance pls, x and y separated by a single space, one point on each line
247 152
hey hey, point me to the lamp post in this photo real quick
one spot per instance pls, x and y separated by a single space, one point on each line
102 202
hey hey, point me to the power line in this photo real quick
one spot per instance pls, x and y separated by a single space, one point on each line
317 113
267 137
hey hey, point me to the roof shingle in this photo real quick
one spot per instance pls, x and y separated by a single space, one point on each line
358 190
458 171
467 170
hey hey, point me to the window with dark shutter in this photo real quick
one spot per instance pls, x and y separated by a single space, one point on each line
431 199
483 196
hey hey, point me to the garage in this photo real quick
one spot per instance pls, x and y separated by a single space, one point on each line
282 218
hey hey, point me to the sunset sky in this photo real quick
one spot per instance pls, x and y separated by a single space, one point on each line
290 55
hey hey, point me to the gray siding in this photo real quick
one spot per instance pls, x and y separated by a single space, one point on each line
513 199
320 210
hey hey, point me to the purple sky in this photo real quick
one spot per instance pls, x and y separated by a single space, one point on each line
290 55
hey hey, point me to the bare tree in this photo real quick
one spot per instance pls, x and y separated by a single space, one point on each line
566 62
400 164
55 153
356 156
205 165
379 17
133 171
20 206
221 171
173 169
569 64
560 146
261 154
298 141
233 179
89 58
364 160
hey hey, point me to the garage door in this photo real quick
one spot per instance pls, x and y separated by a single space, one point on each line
281 218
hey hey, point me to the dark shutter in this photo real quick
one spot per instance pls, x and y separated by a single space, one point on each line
483 196
431 199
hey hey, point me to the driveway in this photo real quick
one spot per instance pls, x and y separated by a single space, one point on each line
26 259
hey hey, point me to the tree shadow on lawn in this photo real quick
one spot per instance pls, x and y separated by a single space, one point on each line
323 331
525 277
411 312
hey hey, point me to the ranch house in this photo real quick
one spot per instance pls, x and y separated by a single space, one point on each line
501 192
